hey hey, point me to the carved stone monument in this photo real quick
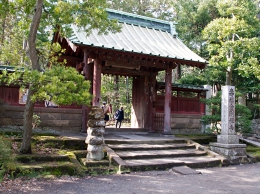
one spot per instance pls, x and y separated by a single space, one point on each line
96 129
228 142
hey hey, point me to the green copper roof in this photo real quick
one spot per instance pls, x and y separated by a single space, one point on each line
141 35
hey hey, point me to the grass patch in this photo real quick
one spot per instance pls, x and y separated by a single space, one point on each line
252 150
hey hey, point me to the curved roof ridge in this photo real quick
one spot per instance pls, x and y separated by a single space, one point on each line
143 21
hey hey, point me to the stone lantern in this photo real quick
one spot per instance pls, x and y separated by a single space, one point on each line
96 129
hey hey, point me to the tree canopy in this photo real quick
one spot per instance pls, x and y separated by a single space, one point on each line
232 41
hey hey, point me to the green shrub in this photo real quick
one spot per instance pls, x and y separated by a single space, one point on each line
243 115
7 161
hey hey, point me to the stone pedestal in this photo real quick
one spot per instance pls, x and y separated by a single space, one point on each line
235 153
228 142
96 129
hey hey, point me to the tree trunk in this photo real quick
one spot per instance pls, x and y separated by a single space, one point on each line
228 78
28 117
33 33
28 112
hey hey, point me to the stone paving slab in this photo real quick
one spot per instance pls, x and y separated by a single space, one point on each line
185 170
162 153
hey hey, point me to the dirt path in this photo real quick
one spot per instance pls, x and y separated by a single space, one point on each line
233 179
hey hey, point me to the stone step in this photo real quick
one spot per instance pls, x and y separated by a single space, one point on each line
90 163
129 147
144 140
166 163
29 158
148 154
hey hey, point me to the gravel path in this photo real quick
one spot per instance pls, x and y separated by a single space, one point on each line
233 179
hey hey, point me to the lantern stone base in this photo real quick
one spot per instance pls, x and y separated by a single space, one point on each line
235 153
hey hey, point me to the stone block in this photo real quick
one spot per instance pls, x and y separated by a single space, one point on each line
228 139
94 140
235 153
95 152
96 131
96 123
96 113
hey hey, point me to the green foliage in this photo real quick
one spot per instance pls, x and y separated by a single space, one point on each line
161 9
243 119
193 77
63 85
192 16
214 118
36 120
232 42
243 115
7 161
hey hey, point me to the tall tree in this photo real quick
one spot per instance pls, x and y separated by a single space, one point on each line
192 16
44 16
233 43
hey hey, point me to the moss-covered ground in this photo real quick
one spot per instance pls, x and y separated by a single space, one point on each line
51 156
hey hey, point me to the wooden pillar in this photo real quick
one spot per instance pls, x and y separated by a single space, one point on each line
167 101
147 103
152 99
149 89
96 82
87 70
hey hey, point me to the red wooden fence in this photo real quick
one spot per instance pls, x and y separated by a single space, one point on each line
181 105
10 95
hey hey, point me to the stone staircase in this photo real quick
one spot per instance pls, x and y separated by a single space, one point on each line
160 154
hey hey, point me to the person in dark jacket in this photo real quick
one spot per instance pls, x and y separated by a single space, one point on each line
119 116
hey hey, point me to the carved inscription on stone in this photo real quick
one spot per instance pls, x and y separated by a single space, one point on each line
231 111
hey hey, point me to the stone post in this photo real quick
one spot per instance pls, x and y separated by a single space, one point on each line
228 142
96 129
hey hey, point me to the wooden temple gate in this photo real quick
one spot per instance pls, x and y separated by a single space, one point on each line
144 47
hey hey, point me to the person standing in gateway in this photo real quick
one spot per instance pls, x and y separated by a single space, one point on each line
105 111
119 116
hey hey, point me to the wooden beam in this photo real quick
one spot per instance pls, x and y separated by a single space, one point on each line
71 58
122 71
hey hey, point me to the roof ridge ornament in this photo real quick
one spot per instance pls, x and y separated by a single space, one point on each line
173 29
